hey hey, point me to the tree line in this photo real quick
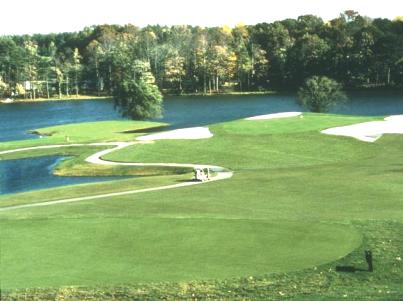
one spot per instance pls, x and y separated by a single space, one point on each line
356 51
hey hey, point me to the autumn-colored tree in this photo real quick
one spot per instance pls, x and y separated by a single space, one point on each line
31 70
221 65
174 69
4 88
77 68
244 58
96 54
56 67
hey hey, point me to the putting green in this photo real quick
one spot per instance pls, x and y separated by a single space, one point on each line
50 252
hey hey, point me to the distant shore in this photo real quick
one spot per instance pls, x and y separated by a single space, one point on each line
64 98
94 97
233 93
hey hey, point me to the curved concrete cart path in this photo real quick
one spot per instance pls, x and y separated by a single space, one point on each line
219 176
96 159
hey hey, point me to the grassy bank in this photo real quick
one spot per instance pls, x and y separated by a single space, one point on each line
299 203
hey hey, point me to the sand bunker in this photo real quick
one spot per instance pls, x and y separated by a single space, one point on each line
369 131
275 116
188 133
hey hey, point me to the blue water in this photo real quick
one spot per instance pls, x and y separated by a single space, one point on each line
374 104
36 173
17 119
203 110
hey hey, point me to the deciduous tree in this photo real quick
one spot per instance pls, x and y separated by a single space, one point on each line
320 93
135 93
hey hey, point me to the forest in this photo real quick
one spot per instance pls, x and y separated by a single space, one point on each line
355 50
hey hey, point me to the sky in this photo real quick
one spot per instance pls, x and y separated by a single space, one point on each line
46 16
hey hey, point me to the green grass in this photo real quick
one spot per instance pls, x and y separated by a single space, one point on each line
299 203
319 283
102 131
187 249
54 194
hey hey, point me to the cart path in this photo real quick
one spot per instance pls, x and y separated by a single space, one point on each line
97 159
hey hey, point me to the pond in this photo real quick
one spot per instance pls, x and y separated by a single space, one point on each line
36 173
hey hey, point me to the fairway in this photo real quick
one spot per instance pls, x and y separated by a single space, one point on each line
291 205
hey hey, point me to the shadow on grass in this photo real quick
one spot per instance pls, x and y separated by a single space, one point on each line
146 130
349 269
353 269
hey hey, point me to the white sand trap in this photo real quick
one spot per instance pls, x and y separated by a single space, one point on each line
369 131
274 116
396 118
188 133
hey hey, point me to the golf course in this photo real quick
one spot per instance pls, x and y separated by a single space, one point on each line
294 204
212 151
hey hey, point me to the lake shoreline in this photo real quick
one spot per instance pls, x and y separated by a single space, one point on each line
375 91
71 98
94 97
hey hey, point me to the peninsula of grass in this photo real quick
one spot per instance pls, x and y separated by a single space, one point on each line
299 204
88 132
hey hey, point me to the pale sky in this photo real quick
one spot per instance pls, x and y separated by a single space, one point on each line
45 16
